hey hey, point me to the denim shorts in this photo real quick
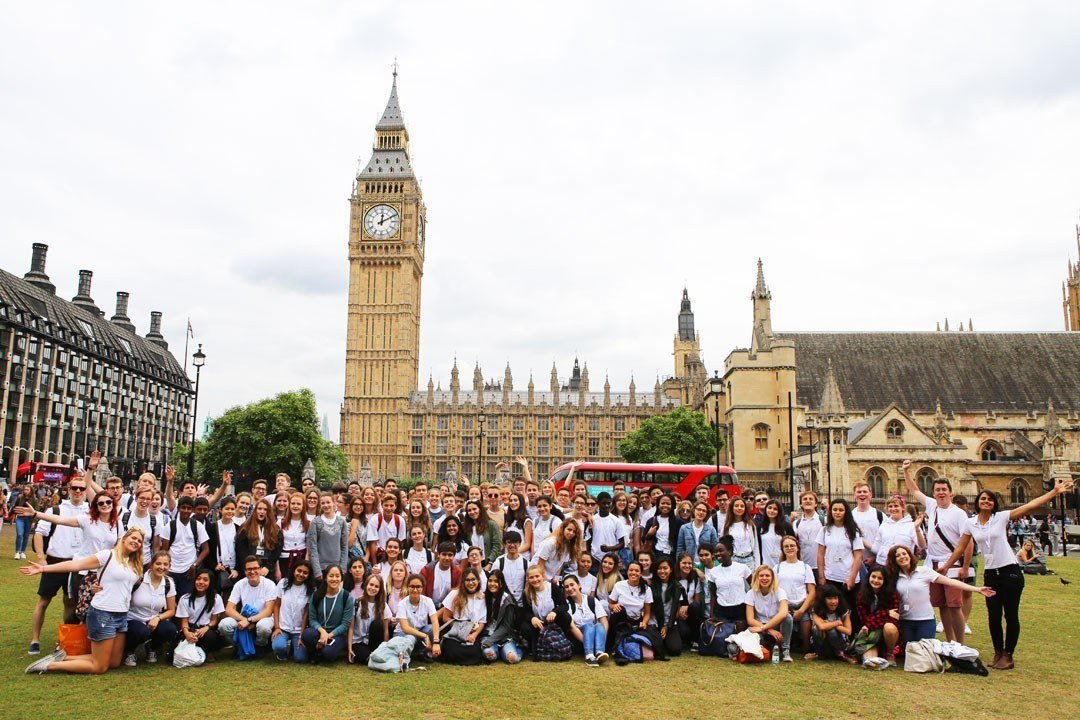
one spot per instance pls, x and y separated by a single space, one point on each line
104 625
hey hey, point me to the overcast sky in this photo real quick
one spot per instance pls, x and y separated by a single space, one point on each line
581 163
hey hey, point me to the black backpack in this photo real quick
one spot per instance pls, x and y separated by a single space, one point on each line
153 524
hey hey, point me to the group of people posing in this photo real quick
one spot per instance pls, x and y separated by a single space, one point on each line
486 573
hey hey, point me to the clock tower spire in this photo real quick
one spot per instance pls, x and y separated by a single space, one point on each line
387 225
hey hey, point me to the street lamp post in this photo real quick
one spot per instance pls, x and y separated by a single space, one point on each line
481 419
716 389
810 425
198 359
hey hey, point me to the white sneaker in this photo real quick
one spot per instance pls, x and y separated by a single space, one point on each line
40 666
786 656
130 660
940 628
602 658
967 629
16 556
590 658
151 656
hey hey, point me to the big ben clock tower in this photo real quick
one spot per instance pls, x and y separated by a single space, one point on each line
386 264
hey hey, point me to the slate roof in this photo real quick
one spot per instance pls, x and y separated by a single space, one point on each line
48 315
967 371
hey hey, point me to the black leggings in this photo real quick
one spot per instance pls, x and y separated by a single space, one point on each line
1008 582
362 651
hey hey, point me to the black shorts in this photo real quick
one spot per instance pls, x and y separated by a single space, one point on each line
49 583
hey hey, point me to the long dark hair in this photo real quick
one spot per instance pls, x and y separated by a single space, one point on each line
659 595
480 526
873 599
494 601
363 605
309 584
781 525
445 536
829 591
320 594
848 523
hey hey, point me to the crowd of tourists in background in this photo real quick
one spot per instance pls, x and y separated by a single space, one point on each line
501 572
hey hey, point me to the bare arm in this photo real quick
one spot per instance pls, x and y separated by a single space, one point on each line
962 548
524 468
1062 487
912 486
167 492
942 580
86 563
220 492
65 520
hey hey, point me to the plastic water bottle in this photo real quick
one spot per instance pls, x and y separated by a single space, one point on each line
776 654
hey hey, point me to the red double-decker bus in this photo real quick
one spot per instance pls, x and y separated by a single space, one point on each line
679 480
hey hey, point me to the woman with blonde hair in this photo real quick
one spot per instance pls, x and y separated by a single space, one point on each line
767 612
119 570
607 575
559 551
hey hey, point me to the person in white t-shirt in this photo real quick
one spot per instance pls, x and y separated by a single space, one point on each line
840 551
290 612
199 613
465 609
188 544
254 591
589 624
868 519
153 604
796 578
767 612
989 528
371 621
896 529
945 525
726 583
913 587
807 525
417 616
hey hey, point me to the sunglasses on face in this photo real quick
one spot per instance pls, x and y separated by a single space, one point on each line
104 503
76 488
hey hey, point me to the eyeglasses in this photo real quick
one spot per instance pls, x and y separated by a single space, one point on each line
251 570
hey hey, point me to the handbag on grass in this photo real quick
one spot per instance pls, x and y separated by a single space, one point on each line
73 639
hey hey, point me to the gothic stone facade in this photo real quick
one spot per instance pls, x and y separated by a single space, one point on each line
389 428
997 410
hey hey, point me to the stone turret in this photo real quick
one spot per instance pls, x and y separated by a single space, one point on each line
455 384
36 276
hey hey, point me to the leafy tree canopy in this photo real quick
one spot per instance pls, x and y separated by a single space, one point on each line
681 436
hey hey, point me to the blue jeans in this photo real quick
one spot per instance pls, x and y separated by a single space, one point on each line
309 639
138 633
594 638
22 533
286 645
912 630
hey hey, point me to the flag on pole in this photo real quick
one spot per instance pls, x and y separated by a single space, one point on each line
190 330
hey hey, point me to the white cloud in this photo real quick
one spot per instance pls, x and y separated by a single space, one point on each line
580 163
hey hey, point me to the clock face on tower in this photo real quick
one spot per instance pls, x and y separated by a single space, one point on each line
382 222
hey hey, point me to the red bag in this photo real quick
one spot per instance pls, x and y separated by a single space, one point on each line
750 658
73 639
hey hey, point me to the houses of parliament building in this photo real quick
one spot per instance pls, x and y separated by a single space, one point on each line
998 410
390 428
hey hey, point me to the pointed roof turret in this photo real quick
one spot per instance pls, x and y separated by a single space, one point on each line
760 289
832 402
1051 427
686 319
392 118
941 427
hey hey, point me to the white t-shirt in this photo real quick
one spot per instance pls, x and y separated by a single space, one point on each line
184 548
582 615
663 536
553 564
192 609
97 535
475 607
116 584
226 549
419 616
588 583
293 537
294 601
542 529
868 524
244 593
891 533
953 523
793 577
417 560
441 584
993 540
914 594
807 530
607 531
147 600
65 541
765 606
143 523
361 630
380 530
543 602
770 546
632 599
744 539
513 574
730 582
839 552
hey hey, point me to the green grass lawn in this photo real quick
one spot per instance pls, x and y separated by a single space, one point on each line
686 687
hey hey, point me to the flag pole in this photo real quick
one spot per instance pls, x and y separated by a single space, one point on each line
187 336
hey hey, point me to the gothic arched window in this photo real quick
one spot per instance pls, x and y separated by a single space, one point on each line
1018 492
761 436
991 451
925 480
894 430
876 479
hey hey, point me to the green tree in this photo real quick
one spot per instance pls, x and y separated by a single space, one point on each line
681 436
277 434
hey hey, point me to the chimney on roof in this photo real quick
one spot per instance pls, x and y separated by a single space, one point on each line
155 335
83 299
121 317
37 275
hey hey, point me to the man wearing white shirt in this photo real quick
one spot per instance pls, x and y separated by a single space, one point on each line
54 544
254 591
945 524
608 532
868 519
